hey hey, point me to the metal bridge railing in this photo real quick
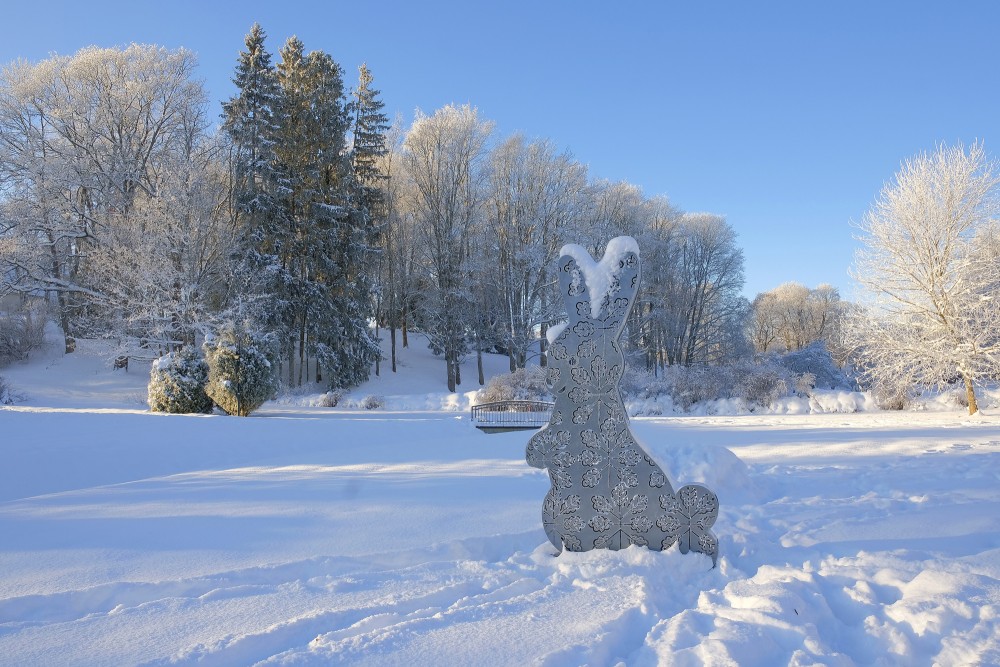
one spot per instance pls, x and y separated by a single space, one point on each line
511 414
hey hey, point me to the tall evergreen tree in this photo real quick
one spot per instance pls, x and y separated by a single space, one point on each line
368 152
251 121
304 221
327 245
370 128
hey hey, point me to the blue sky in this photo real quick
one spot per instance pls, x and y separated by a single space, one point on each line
786 117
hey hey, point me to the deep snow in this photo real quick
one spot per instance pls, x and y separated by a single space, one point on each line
306 535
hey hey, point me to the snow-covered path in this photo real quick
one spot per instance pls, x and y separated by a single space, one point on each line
313 536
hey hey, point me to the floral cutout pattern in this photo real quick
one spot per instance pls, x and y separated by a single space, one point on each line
606 491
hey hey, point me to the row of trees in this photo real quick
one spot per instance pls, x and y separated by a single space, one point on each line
307 217
474 227
793 316
120 203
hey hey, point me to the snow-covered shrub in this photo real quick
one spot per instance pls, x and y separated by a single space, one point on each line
761 385
21 332
330 399
891 395
757 384
816 360
640 383
695 384
524 384
805 384
372 402
241 376
7 394
177 383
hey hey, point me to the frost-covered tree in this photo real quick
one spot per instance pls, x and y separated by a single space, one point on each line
241 375
163 266
398 261
177 383
307 238
611 209
535 195
251 121
792 316
693 310
930 272
444 155
83 138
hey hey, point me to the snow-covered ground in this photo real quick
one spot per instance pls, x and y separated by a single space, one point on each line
307 535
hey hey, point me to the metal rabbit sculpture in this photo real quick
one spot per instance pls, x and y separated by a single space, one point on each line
607 492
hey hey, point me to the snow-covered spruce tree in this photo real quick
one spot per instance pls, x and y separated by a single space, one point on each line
251 122
316 243
930 267
369 145
177 383
241 376
369 153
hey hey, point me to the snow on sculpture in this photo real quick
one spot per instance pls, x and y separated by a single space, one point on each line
607 492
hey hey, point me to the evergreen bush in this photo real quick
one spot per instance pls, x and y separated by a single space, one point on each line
241 376
177 383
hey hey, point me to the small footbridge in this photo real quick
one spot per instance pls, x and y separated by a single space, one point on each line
502 416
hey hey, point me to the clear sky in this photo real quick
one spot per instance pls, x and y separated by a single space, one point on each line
786 117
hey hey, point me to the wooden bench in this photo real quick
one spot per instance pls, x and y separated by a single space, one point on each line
503 416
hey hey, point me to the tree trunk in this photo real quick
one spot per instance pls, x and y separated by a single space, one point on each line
970 393
450 368
69 341
392 338
406 342
378 358
302 348
479 364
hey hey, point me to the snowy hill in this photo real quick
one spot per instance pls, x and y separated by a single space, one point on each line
307 535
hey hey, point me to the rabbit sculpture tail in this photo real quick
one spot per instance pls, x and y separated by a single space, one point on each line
607 492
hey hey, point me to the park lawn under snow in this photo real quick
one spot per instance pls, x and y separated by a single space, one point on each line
306 535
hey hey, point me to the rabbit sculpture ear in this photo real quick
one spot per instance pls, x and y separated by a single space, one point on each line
573 283
604 290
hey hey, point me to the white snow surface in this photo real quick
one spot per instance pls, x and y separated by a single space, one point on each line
316 536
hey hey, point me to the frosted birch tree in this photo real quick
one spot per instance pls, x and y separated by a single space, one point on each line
444 155
930 272
535 195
